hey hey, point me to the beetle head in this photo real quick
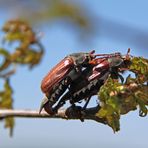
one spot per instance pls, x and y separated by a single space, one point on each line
120 61
83 58
114 59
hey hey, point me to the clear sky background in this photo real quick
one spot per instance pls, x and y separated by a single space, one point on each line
123 24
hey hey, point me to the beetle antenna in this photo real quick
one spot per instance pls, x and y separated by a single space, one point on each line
109 55
128 51
92 52
128 55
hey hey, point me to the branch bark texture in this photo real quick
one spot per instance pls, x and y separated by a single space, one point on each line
69 113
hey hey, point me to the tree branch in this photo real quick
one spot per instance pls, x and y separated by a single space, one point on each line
69 113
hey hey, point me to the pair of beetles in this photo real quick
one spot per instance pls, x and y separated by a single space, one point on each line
79 76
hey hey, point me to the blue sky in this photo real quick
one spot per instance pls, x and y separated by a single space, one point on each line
59 42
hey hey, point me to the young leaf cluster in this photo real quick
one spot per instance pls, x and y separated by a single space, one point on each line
118 98
28 51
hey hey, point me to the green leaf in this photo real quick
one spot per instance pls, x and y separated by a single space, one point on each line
113 122
6 101
105 111
140 67
6 61
111 117
110 103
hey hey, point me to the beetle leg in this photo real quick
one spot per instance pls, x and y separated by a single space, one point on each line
60 104
48 108
87 101
64 99
59 90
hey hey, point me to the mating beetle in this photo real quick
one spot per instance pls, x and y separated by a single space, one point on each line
95 76
69 73
57 80
73 61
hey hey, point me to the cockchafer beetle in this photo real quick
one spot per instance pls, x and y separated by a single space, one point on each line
95 76
58 79
72 72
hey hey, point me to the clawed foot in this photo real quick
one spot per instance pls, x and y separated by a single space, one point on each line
75 112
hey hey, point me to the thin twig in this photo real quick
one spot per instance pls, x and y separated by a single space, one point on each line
5 113
88 114
9 73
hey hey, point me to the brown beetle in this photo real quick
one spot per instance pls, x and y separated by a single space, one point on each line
79 68
57 80
95 76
